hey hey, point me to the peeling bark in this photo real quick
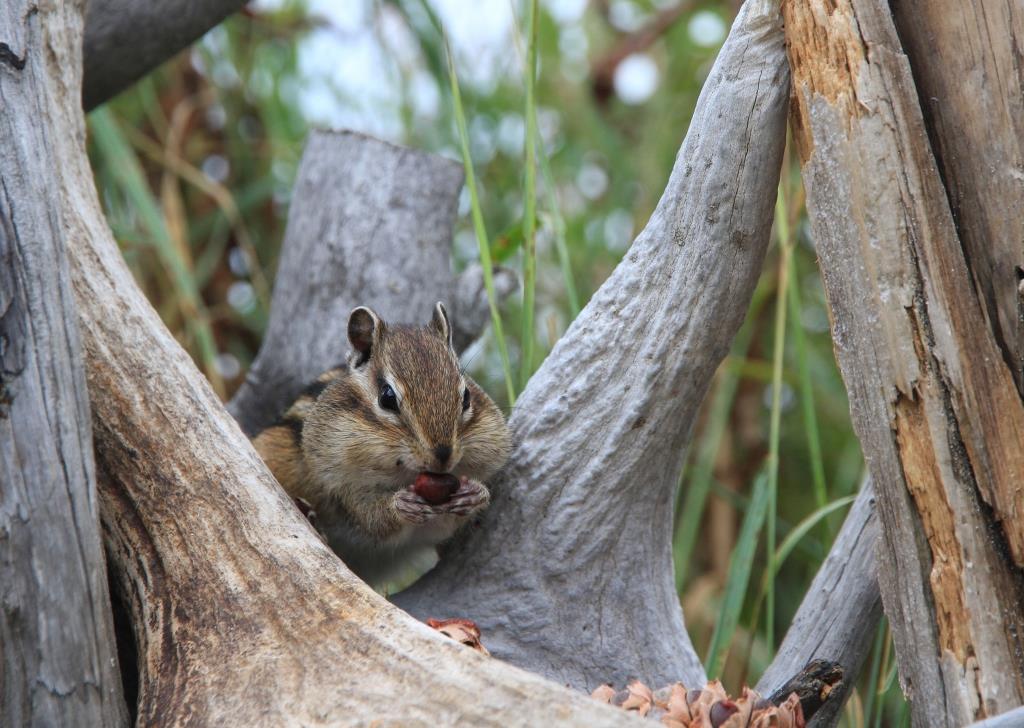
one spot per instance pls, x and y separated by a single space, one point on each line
57 660
931 396
973 103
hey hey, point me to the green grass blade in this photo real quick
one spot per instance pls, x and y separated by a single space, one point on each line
561 246
794 538
806 390
128 175
872 683
888 685
529 198
739 577
478 225
802 529
779 347
691 509
551 195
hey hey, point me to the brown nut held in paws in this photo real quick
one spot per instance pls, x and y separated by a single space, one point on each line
435 488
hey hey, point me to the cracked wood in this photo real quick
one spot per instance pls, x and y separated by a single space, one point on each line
932 398
57 660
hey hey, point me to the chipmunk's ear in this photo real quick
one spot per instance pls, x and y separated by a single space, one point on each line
440 323
365 328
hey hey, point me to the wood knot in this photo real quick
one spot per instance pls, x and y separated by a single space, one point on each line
814 685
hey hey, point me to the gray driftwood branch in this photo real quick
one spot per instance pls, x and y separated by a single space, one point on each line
126 39
370 223
840 612
57 658
570 572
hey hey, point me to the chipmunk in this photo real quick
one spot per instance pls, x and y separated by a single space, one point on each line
354 441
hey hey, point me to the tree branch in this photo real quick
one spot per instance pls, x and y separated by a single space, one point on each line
602 71
570 571
839 613
1010 719
126 39
57 659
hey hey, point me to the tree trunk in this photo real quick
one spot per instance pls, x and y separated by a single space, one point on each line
57 661
932 398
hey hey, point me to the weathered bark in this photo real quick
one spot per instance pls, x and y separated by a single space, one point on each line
570 572
931 397
57 661
839 613
973 102
126 39
370 224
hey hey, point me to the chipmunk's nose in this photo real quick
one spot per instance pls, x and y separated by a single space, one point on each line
443 453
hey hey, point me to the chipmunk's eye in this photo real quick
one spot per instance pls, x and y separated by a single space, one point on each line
387 398
465 399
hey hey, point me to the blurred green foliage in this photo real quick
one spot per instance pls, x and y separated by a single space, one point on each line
195 167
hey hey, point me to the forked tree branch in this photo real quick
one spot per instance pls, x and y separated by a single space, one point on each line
242 615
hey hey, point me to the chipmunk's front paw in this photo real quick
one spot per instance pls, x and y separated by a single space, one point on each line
413 508
471 496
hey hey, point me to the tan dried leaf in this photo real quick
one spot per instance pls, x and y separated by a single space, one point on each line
677 713
788 715
744 707
463 631
640 698
710 707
